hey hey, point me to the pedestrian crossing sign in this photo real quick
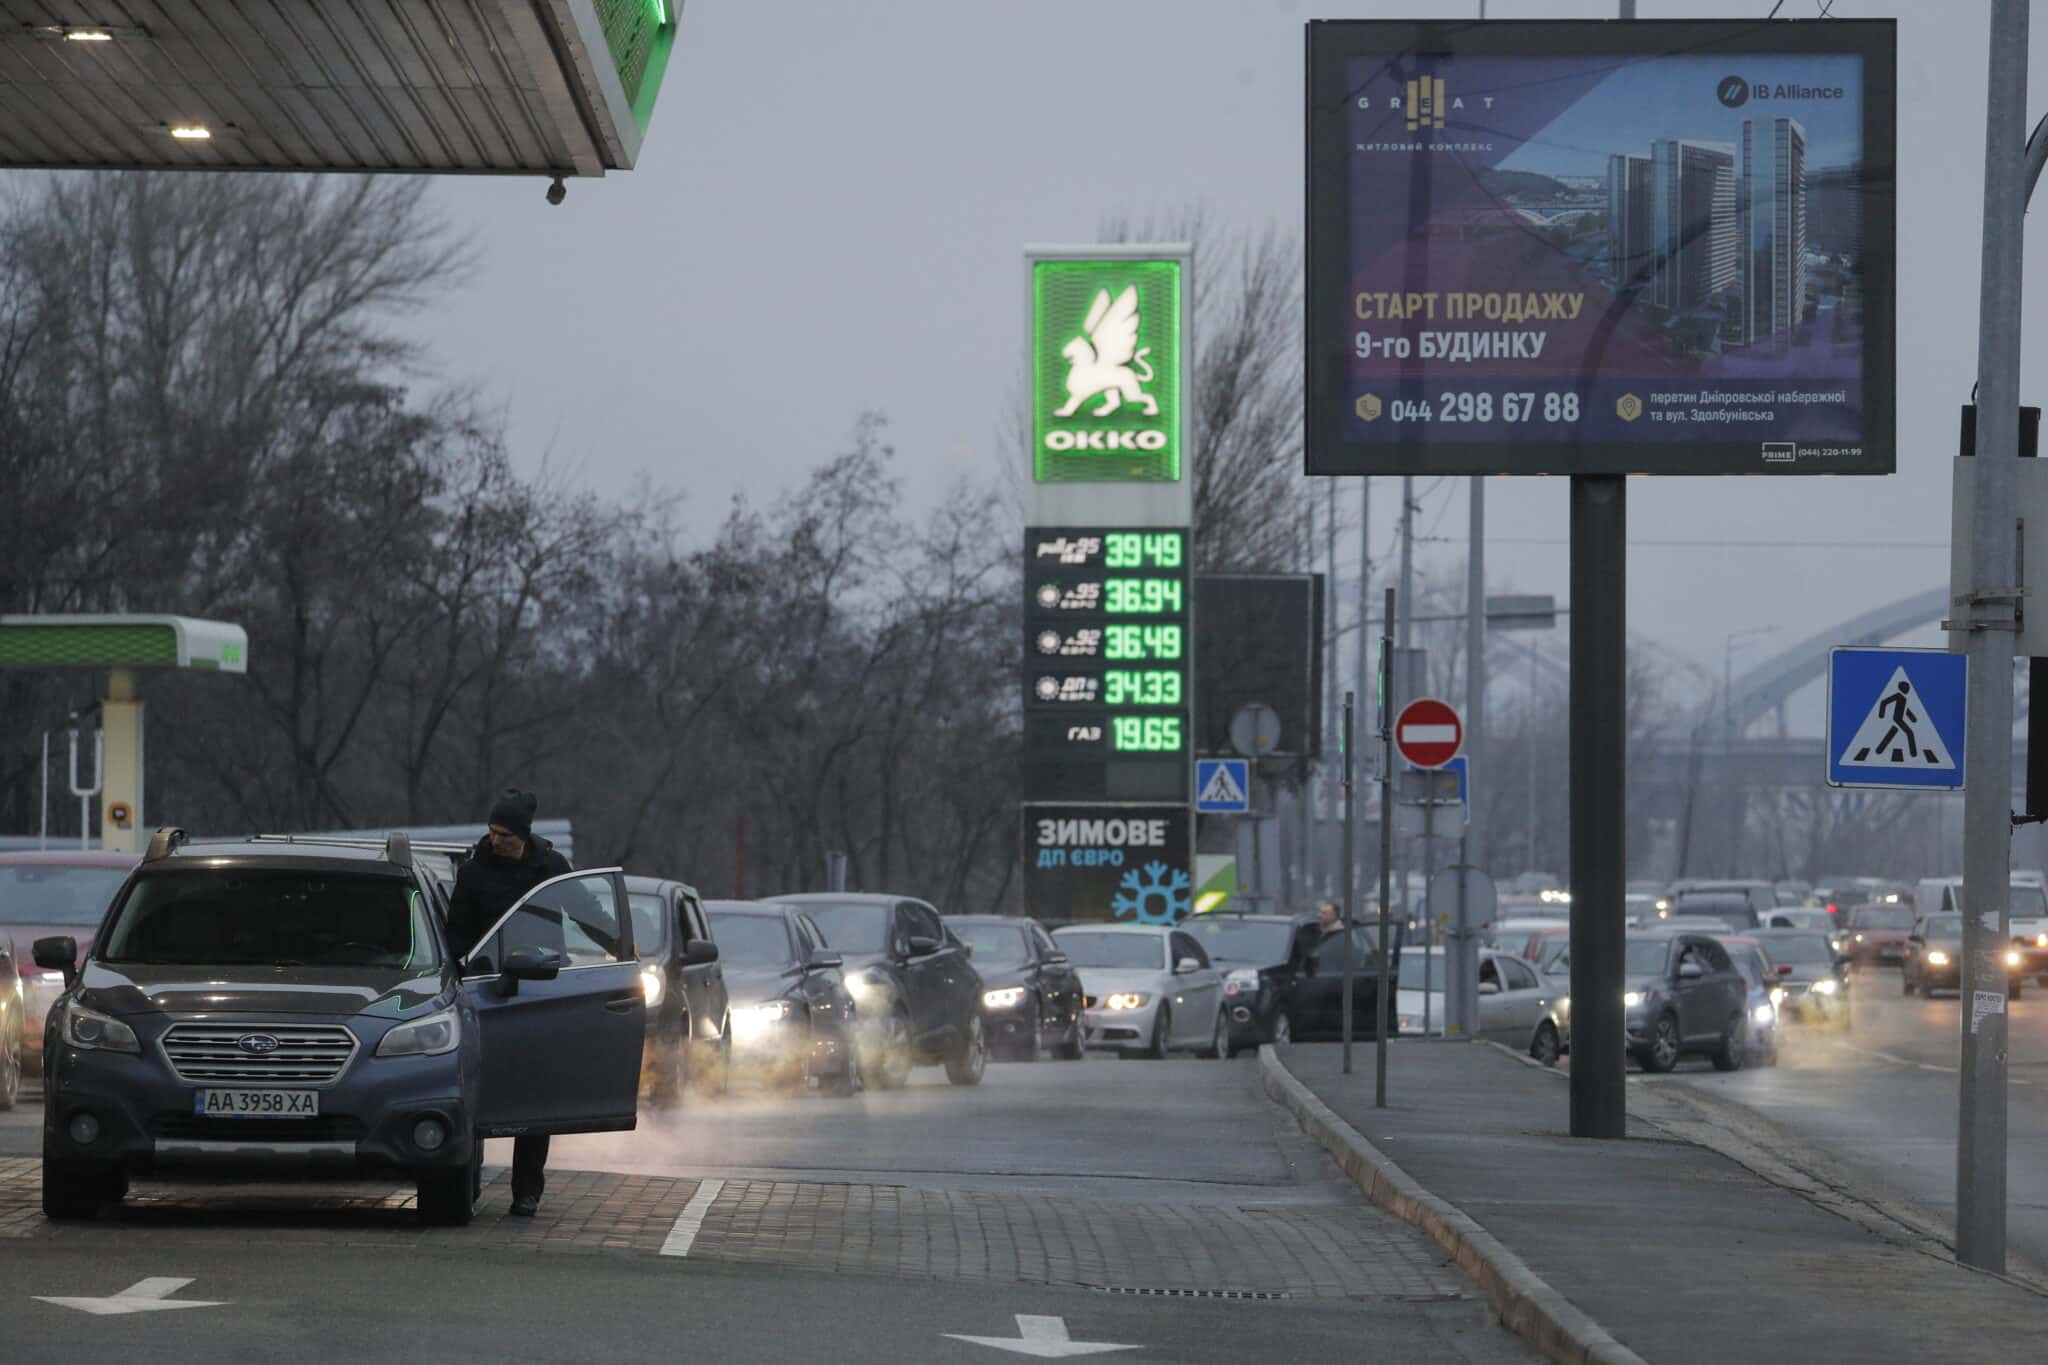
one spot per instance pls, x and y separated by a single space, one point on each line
1223 786
1895 718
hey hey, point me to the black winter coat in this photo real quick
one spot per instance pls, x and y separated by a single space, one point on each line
487 886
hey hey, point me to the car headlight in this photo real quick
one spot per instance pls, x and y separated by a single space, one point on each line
1763 1014
1564 1003
1827 987
1663 905
1002 999
860 985
429 1037
1127 1000
1632 1000
1859 938
1240 982
96 1032
1935 957
750 1021
650 986
2013 958
2040 941
1777 995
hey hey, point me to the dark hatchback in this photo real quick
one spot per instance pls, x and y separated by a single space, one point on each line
1812 982
916 994
1031 994
1684 996
1262 958
792 1018
1933 959
281 1010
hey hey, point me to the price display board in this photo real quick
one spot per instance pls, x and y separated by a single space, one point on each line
1107 680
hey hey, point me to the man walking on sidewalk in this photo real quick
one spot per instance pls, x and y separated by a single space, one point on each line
509 861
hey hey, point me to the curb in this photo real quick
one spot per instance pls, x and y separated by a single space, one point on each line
1524 1302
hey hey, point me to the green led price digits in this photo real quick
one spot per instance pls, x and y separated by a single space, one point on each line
1141 642
1135 550
1141 596
1141 687
1145 734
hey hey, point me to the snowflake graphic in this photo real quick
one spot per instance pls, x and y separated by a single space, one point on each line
1160 896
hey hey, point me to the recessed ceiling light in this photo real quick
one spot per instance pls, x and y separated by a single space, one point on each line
191 132
87 35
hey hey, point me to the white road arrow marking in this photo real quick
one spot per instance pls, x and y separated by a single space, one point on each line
144 1296
1044 1337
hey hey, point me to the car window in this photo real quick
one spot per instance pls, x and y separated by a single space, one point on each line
41 894
810 938
284 917
576 916
1519 975
1109 950
1046 947
1185 946
995 944
650 933
1646 956
1716 959
850 926
1231 938
751 940
1489 970
1329 950
923 920
693 918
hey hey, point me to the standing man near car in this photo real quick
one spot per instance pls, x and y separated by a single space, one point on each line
509 861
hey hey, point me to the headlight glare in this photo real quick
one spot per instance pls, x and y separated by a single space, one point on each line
1002 999
1828 987
1127 1000
1763 1014
1632 1000
1936 958
96 1032
651 986
2013 958
751 1021
429 1037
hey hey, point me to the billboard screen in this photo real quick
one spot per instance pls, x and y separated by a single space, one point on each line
1565 247
1259 639
1129 863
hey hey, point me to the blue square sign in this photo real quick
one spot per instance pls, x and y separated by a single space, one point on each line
1223 786
1895 718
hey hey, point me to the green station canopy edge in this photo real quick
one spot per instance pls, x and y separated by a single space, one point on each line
122 642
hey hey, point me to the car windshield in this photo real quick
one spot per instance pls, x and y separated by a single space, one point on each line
1514 942
648 920
851 926
1801 950
1802 919
1264 943
1646 956
1554 950
1944 927
1880 917
750 940
1735 910
994 945
1748 963
1094 948
42 894
284 917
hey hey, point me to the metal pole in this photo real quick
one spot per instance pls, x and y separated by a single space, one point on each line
43 825
1599 825
1472 849
1988 607
1325 880
1428 910
1383 997
1350 913
1406 633
1364 615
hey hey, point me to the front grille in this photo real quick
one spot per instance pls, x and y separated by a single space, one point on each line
339 1128
306 1054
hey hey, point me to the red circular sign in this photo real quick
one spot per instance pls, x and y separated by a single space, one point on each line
1429 733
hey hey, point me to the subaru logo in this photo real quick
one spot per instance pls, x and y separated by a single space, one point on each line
256 1044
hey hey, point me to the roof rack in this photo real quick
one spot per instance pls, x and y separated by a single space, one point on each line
357 841
398 848
163 843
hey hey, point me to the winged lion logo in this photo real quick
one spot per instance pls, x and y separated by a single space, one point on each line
1108 359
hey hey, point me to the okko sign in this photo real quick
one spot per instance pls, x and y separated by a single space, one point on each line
1561 247
1106 370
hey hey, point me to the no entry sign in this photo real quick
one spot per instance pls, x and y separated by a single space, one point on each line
1428 732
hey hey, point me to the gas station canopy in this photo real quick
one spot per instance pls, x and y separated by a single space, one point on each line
122 642
551 87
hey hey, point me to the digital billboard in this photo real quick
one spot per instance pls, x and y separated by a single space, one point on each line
1565 247
1128 863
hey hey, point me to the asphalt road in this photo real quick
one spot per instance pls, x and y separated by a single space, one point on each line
1164 1206
1882 1098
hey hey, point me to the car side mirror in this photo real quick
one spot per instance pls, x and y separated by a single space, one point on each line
922 945
529 964
1059 960
1690 971
1489 988
699 952
823 958
58 954
1186 965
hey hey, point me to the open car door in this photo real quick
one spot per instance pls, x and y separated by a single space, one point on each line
560 1010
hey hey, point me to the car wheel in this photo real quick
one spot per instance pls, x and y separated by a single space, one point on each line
1728 1054
847 1083
711 1072
1662 1053
1162 1030
1219 1041
10 1071
892 1069
447 1199
1547 1047
1072 1050
73 1190
1034 1037
968 1061
671 1075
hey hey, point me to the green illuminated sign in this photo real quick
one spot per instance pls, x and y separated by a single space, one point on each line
1146 734
1105 372
641 34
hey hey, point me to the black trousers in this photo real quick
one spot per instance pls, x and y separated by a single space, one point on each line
529 1166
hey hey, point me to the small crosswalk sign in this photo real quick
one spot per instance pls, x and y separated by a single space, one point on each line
1895 718
1223 786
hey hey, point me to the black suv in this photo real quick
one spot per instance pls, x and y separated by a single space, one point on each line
916 997
1684 995
293 1009
1262 958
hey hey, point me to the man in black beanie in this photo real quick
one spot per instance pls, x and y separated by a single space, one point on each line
510 860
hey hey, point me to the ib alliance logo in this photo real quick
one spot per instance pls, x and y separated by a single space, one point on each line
1733 91
1106 361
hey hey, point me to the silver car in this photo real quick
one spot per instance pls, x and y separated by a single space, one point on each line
1518 1005
1147 990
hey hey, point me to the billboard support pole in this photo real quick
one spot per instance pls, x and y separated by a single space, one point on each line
1987 608
1350 890
1384 995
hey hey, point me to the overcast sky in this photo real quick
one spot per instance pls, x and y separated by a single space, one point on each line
830 208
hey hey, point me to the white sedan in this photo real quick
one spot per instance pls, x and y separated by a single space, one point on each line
1147 990
1517 1004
